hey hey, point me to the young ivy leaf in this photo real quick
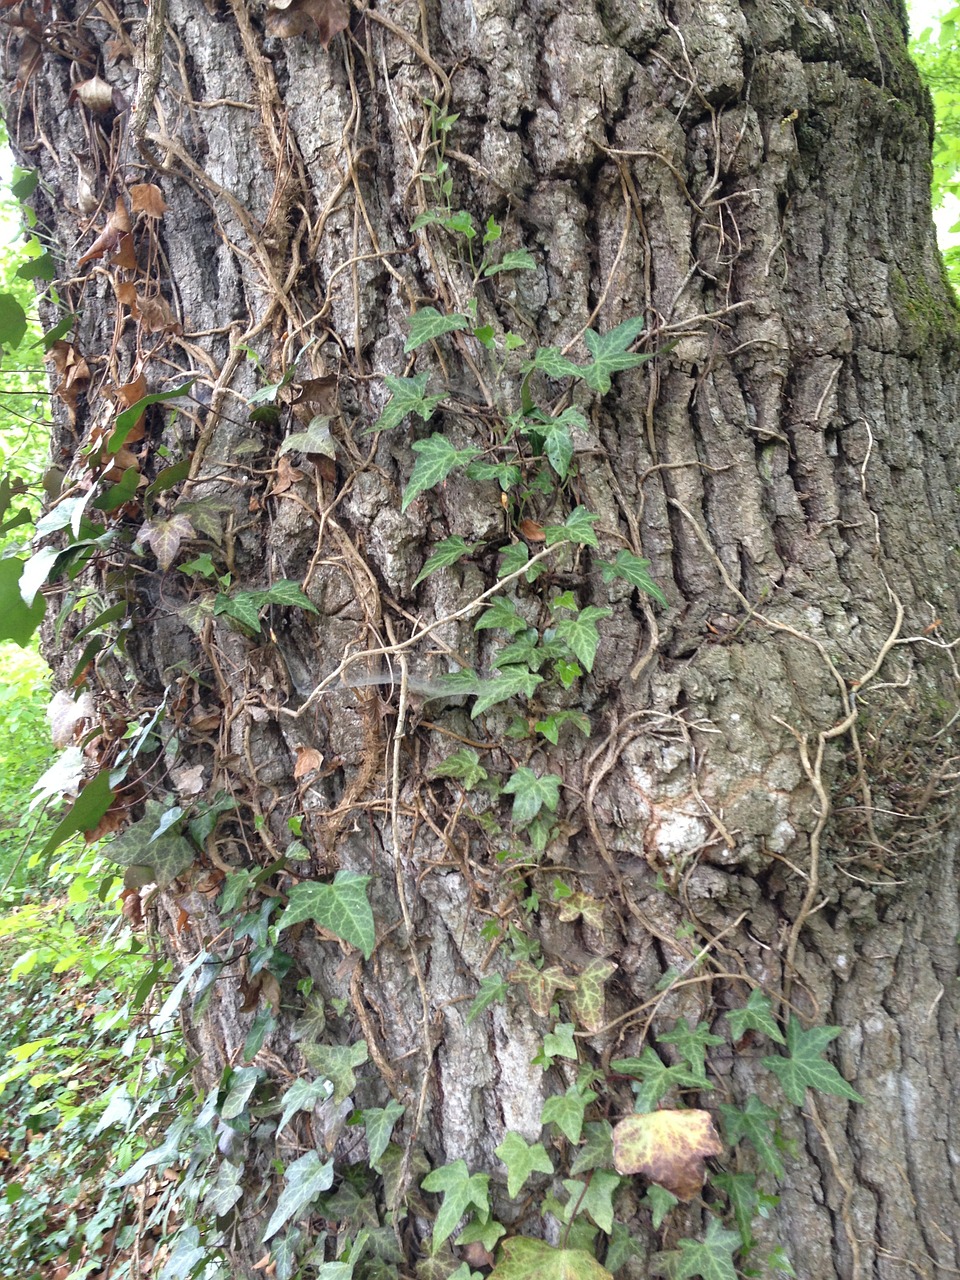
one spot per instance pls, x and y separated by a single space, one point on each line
437 458
565 1110
303 1095
587 1000
581 634
595 1197
337 1063
741 1190
635 571
446 553
806 1068
341 907
427 324
548 360
502 687
464 765
461 1191
692 1045
578 528
501 615
530 793
287 592
756 1015
521 1160
610 353
407 396
378 1124
515 260
493 989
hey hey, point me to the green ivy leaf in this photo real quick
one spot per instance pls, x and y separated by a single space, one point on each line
758 1123
524 1259
162 857
13 321
587 1001
286 1254
408 395
635 571
656 1076
513 558
464 765
488 1233
243 1081
316 439
446 553
336 1063
341 907
18 620
289 593
515 260
565 1110
461 1191
243 606
581 634
493 988
610 353
129 418
501 687
805 1068
710 1258
530 793
437 458
521 1160
502 615
756 1015
597 1150
578 528
378 1125
507 474
597 1199
226 1191
692 1045
548 360
558 1043
741 1190
305 1179
661 1201
303 1095
263 1025
427 324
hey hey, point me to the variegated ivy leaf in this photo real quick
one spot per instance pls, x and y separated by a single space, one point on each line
581 634
635 571
548 360
316 439
522 1159
163 537
341 907
587 1000
502 687
436 459
305 1179
582 904
577 528
427 324
541 984
464 765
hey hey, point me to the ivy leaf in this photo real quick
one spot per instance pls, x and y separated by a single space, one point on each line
289 593
558 1043
18 620
582 904
407 396
163 537
587 1001
437 458
541 984
461 1191
492 989
548 360
446 553
129 418
597 1200
610 353
513 558
530 793
286 1253
336 1063
162 858
226 1191
692 1045
501 687
521 1160
635 571
341 907
487 1233
710 1258
506 473
805 1068
502 615
668 1147
581 634
427 324
597 1150
524 1259
756 1015
515 260
305 1179
757 1122
464 765
657 1077
741 1190
578 528
378 1125
565 1110
316 439
244 606
661 1201
303 1095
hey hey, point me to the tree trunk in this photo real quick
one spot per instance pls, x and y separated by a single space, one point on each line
765 801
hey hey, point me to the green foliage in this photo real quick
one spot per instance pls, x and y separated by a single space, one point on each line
805 1068
341 907
937 55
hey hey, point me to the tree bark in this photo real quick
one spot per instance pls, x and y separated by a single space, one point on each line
766 798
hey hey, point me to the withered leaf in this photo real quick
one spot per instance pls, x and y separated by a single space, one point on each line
146 197
532 531
296 18
118 225
309 760
95 94
668 1147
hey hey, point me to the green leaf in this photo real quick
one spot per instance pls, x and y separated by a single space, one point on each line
18 620
548 360
501 687
565 1110
123 491
805 1068
427 324
587 1001
710 1258
161 858
342 908
524 1259
488 1233
515 260
13 321
506 473
635 571
756 1015
661 1201
530 793
263 1025
437 458
24 182
581 634
461 1191
83 815
464 765
691 1044
378 1125
42 267
541 984
597 1199
550 726
407 396
129 418
243 1081
493 988
521 1160
303 1095
226 1191
446 553
289 593
305 1179
501 615
336 1063
741 1190
597 1150
513 558
610 353
578 528
286 1253
316 439
59 330
244 606
758 1123
657 1077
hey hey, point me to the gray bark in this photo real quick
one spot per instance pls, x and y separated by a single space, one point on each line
772 756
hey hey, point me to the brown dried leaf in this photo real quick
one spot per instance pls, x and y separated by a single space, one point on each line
326 17
309 760
668 1147
146 197
74 373
129 394
127 294
95 94
118 225
188 780
287 475
126 255
532 531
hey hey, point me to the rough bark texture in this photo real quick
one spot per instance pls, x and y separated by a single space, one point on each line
771 756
